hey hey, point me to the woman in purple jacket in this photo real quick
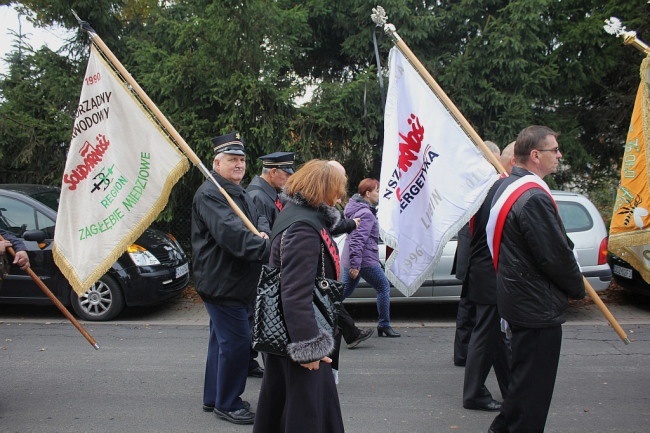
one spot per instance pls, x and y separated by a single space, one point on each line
360 256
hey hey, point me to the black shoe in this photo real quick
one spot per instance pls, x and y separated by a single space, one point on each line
387 331
492 406
256 372
239 416
364 334
210 407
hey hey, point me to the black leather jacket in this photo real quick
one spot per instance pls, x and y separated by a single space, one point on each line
264 196
226 256
537 270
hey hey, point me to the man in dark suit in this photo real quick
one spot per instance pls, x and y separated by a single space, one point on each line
488 346
466 314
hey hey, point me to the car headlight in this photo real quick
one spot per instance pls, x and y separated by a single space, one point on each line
141 256
175 242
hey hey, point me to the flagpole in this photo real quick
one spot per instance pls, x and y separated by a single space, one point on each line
379 18
55 300
180 142
631 39
605 311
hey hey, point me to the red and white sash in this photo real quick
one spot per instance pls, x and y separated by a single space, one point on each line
502 206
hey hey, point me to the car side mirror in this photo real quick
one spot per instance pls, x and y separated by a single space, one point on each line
34 235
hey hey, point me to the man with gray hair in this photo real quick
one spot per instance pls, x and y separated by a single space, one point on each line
265 188
227 261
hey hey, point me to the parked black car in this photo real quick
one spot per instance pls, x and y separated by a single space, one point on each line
153 269
627 276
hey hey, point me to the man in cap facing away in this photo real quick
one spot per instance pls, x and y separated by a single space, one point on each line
488 347
227 261
265 188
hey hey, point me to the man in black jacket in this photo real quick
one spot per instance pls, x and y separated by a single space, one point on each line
265 188
536 274
227 260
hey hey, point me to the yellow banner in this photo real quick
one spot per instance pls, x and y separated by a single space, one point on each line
629 232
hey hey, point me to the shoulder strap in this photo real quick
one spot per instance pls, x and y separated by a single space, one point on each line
500 209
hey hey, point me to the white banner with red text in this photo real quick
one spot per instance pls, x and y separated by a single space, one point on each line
433 177
119 173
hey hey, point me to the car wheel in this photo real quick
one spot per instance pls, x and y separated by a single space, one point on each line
103 301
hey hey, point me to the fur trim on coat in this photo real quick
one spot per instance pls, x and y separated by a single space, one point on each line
304 352
332 214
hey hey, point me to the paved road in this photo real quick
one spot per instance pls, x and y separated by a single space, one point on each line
147 376
188 310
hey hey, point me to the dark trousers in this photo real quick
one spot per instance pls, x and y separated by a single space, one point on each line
226 367
252 361
535 358
345 329
347 326
487 348
465 318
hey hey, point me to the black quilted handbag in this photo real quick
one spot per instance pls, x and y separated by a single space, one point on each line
328 295
269 330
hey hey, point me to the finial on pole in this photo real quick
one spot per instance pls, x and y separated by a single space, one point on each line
380 18
83 24
615 27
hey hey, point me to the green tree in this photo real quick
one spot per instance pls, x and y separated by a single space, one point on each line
215 66
36 116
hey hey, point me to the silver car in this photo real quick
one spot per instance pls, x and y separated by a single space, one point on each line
583 224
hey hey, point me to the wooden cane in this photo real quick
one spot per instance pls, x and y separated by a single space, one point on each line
56 302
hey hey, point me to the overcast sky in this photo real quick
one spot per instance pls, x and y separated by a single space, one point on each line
9 20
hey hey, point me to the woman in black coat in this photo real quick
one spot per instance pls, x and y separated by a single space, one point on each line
298 393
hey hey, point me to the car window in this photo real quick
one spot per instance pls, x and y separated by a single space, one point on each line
17 217
45 223
574 216
49 198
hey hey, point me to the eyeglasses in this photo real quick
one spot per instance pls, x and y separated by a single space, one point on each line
555 149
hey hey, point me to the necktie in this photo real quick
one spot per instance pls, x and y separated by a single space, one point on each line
278 204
